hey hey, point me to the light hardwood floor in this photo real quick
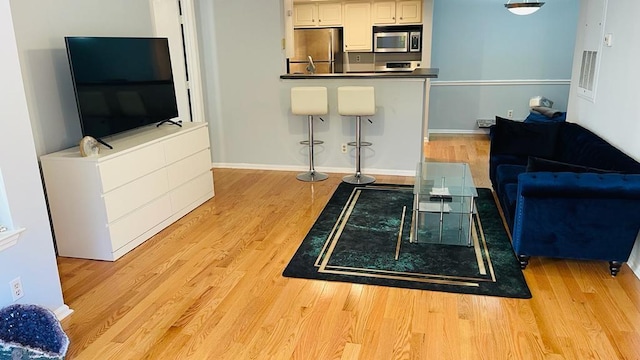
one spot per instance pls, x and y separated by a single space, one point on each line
210 287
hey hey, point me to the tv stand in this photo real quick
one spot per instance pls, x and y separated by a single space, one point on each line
179 122
104 206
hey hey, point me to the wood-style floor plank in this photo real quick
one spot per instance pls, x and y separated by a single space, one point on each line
210 287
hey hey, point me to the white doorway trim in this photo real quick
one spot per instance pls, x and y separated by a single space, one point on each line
169 23
192 52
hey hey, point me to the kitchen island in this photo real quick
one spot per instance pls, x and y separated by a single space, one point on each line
419 73
397 130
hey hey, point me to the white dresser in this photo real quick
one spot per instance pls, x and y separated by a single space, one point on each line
104 206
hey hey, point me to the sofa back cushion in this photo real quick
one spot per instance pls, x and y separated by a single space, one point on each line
579 146
527 139
535 164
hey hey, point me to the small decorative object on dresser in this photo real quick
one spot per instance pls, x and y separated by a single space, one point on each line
89 146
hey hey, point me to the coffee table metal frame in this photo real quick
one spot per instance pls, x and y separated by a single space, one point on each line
447 192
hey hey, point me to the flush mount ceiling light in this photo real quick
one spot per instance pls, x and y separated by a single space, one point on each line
523 7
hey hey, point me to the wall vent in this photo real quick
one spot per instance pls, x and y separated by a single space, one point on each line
592 38
588 70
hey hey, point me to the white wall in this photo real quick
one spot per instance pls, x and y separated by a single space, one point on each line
33 258
40 28
242 62
45 120
614 115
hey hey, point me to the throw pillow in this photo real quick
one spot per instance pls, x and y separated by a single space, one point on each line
536 117
519 138
535 164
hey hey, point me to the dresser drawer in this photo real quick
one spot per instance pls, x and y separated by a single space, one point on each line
191 191
137 223
123 169
184 145
189 168
135 194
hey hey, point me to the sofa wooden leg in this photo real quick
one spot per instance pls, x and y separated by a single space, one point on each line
524 261
614 267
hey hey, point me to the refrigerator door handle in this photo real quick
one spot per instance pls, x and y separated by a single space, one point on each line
330 57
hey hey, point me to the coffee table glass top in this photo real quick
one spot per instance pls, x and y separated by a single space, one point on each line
453 179
444 203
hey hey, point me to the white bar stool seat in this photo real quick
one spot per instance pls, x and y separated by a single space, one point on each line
357 101
310 101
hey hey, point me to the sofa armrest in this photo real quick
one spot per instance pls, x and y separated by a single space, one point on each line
577 215
579 185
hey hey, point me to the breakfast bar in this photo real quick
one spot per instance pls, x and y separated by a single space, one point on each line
419 73
396 131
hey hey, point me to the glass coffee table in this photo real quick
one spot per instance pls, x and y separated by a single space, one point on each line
444 204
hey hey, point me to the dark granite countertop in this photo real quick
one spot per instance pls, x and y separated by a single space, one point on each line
419 73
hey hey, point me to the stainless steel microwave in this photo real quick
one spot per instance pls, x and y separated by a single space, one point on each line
397 38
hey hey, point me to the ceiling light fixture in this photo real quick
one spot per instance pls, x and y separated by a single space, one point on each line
523 8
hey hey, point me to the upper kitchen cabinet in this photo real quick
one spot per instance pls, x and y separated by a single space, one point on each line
314 14
397 12
357 27
409 12
384 12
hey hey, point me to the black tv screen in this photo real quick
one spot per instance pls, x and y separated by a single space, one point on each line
121 83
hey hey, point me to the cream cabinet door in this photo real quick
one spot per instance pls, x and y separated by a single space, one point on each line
409 12
384 12
330 14
357 27
305 15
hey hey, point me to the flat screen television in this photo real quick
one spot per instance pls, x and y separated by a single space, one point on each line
121 83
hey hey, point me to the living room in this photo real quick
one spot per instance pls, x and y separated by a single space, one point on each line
612 116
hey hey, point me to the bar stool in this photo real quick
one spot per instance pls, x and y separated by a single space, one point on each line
357 101
310 100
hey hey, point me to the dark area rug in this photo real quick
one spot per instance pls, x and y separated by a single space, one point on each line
355 240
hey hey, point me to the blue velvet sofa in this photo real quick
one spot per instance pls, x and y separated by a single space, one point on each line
565 192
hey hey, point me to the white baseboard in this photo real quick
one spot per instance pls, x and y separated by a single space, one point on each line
635 267
459 132
634 258
62 312
335 170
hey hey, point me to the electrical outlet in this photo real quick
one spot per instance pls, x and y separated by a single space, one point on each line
358 58
510 114
16 288
343 148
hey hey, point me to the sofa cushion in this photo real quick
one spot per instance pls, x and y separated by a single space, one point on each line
500 159
536 164
536 117
579 146
519 138
508 174
508 201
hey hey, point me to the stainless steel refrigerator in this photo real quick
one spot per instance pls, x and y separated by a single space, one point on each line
316 49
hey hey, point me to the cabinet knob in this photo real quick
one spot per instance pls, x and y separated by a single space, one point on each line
393 18
401 18
319 20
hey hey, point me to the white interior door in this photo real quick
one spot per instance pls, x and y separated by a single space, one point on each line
175 20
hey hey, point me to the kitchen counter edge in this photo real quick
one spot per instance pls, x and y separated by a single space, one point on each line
420 73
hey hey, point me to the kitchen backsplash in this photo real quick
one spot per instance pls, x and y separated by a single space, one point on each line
367 61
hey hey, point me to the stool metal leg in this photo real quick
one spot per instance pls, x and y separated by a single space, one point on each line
312 174
358 177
